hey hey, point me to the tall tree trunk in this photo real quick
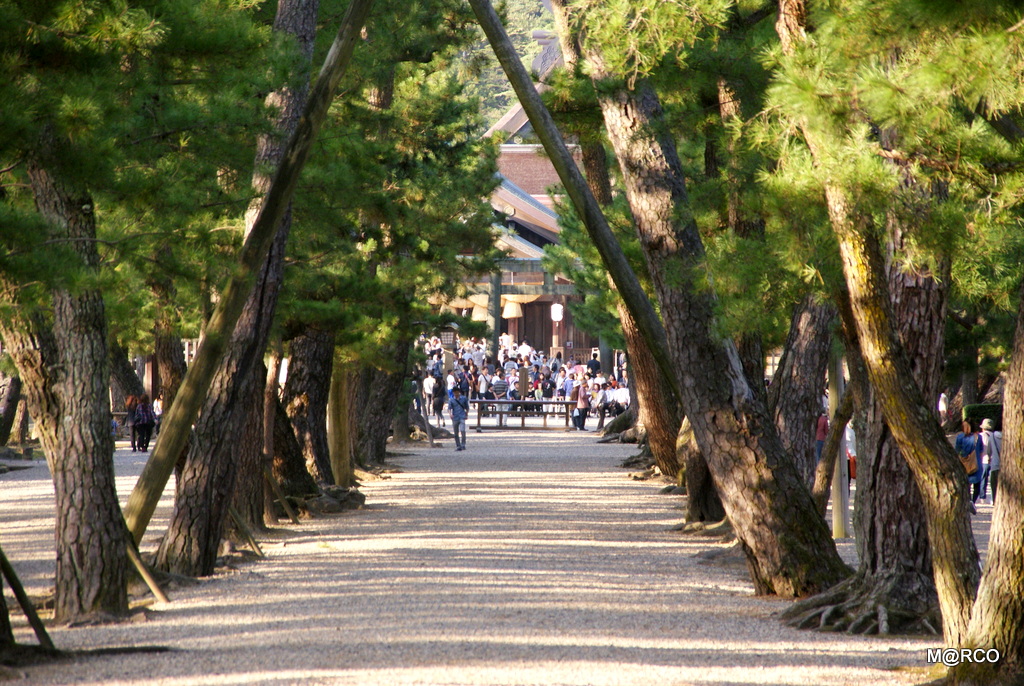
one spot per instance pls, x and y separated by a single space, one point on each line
789 549
306 393
796 389
381 390
169 356
9 407
997 620
64 366
342 423
227 435
234 404
248 497
289 466
658 412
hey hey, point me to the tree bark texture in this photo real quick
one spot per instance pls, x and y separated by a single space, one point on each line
703 504
306 393
379 393
233 408
289 467
342 422
795 393
169 355
789 549
123 376
271 399
825 471
658 413
997 620
21 422
64 366
248 493
9 407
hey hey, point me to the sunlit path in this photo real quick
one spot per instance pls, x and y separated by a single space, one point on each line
530 558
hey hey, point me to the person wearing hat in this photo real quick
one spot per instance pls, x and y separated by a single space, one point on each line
991 444
459 408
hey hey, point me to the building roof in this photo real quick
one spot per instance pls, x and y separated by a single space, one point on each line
529 168
523 208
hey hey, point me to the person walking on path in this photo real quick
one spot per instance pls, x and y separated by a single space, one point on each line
582 406
459 408
145 420
130 405
991 445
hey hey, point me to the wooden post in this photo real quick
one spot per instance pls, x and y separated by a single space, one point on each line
26 604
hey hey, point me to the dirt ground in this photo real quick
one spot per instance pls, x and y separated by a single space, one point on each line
530 558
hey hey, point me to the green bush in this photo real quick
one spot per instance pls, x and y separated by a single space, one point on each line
975 413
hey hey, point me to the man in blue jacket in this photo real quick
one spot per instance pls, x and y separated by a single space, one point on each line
459 407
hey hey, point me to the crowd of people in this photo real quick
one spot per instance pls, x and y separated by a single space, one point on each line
519 372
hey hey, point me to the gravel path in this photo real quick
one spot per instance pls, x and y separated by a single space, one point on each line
530 558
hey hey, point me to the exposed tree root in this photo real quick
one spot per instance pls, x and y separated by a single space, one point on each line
853 608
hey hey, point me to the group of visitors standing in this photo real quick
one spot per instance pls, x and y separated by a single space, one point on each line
519 372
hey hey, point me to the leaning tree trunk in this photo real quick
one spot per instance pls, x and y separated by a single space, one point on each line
209 475
657 409
222 440
6 632
9 407
21 422
997 621
658 412
789 549
938 473
64 366
306 394
894 589
795 392
912 421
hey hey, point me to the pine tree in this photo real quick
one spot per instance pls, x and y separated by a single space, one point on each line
900 131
